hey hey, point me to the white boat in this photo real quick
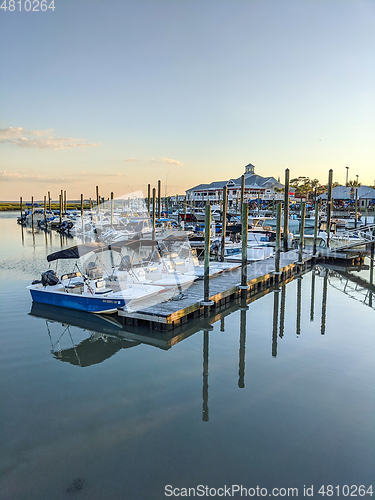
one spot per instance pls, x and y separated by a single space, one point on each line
254 253
87 291
143 263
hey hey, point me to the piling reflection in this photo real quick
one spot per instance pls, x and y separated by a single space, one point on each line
275 321
205 416
324 302
299 300
312 303
282 311
241 367
222 324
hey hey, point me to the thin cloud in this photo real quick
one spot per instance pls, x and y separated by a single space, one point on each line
16 136
171 161
16 132
7 176
33 177
131 159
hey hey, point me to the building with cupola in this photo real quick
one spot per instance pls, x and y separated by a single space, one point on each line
256 187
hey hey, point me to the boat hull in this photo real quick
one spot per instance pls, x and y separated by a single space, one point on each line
78 302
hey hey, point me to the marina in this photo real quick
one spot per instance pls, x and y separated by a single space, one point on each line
258 373
187 250
154 277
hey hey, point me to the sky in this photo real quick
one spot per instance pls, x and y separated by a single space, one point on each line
121 93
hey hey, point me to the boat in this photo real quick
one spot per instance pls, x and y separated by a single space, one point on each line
155 263
87 291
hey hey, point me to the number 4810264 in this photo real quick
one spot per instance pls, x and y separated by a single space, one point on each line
27 5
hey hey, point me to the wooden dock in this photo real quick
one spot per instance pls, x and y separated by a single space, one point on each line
223 289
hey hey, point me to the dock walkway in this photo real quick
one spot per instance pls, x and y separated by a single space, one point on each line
223 289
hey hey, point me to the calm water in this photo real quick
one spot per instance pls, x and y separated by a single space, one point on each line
278 395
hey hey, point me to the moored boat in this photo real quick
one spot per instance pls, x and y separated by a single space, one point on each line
87 291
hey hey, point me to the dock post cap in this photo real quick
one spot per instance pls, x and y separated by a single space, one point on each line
277 273
243 287
207 303
207 328
244 308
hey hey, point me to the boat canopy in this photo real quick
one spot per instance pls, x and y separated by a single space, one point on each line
178 237
77 251
133 244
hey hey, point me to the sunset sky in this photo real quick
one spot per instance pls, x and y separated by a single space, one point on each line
122 93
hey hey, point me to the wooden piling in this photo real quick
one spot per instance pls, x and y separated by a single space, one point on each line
82 208
242 188
32 210
153 212
356 208
45 209
62 202
316 225
149 199
21 205
65 202
224 223
286 211
111 209
178 210
207 221
49 201
97 199
329 206
244 218
278 241
60 207
301 233
159 199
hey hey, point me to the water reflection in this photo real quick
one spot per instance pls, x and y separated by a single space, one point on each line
275 321
117 336
102 343
205 416
241 368
299 299
312 303
353 286
324 302
282 311
104 336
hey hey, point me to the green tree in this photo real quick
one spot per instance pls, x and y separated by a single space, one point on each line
353 184
305 187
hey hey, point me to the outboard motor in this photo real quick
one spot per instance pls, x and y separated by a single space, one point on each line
215 247
49 278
